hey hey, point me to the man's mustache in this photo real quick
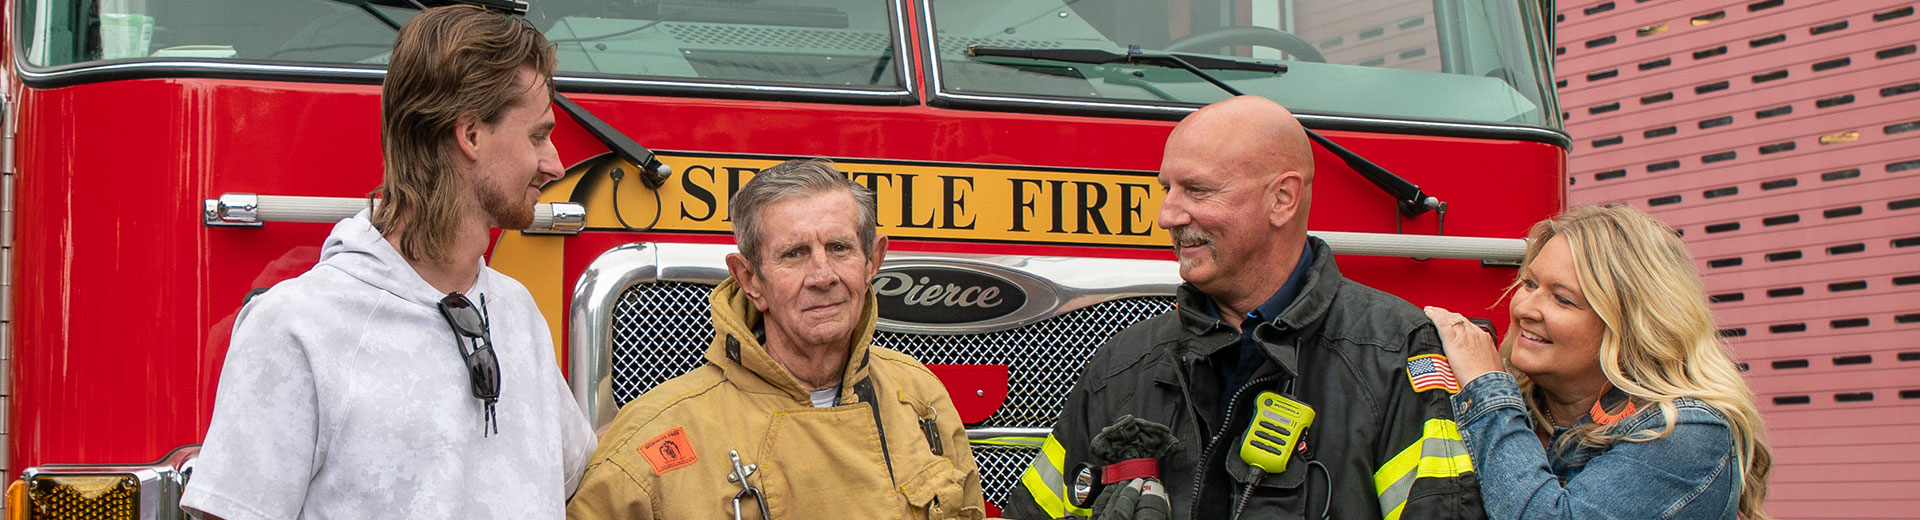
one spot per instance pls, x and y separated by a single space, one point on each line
1189 235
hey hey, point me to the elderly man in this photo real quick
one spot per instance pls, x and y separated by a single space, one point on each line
401 377
1264 310
796 414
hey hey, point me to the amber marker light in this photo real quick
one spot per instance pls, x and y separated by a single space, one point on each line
84 496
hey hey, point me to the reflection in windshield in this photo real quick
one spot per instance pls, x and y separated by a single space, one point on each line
1464 60
840 43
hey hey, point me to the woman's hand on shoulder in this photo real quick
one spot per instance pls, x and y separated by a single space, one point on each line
1470 351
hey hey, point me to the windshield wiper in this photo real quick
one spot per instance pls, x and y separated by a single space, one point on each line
1410 200
652 172
1133 55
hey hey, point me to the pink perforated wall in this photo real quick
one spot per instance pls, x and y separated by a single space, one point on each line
1782 137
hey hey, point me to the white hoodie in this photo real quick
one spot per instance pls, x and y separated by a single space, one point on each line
344 395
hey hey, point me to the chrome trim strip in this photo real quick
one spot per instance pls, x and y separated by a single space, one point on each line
8 174
1497 250
1311 120
1437 126
989 433
899 42
935 87
377 74
901 51
589 81
1042 102
590 324
249 210
32 74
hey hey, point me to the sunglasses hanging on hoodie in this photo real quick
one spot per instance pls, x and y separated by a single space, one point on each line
483 368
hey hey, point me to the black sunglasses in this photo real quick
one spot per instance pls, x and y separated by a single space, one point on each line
476 347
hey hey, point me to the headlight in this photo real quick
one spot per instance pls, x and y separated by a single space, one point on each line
103 492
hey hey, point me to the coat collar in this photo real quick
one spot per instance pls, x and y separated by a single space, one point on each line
738 351
1309 308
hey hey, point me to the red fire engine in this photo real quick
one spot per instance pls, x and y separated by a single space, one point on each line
165 160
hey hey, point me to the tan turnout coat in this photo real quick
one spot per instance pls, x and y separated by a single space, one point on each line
666 454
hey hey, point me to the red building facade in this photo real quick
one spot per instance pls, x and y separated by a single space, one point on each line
1782 138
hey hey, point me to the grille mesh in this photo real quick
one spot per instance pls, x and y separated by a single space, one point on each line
1043 359
661 331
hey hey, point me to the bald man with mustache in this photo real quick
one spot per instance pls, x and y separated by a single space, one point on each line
1264 316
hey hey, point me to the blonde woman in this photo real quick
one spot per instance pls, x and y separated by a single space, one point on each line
1612 364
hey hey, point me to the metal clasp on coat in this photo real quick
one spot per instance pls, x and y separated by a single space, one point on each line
740 474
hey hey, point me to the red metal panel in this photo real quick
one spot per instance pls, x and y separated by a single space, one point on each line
977 390
1797 185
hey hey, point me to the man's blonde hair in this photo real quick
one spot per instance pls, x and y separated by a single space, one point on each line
1660 341
447 62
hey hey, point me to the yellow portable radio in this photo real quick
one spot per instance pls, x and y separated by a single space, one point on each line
1274 433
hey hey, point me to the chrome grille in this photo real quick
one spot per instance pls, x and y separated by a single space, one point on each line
1043 359
660 330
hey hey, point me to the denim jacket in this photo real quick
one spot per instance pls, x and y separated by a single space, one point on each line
1692 472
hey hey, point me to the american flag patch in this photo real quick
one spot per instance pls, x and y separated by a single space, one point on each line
1430 371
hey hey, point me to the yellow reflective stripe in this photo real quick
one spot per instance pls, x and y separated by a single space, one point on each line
1043 494
1439 454
1044 480
1031 442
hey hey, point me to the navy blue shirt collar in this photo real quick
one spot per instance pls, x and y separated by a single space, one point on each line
1281 299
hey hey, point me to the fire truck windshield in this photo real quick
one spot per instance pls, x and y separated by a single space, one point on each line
1473 61
1459 60
836 43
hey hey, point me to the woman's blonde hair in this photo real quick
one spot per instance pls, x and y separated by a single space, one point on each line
1660 342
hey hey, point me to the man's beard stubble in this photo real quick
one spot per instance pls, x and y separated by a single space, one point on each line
506 212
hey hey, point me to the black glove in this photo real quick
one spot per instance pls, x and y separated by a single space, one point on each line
1134 438
1139 498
